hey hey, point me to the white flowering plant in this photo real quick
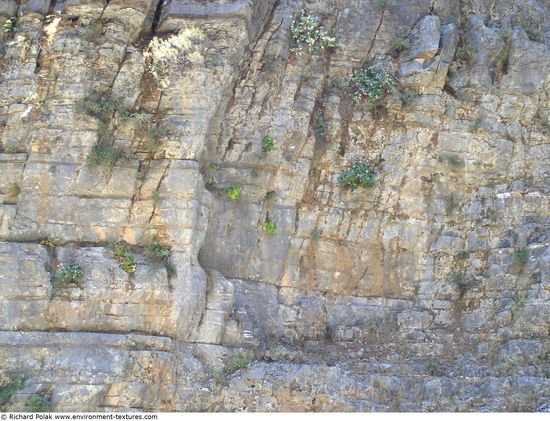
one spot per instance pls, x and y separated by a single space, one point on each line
307 32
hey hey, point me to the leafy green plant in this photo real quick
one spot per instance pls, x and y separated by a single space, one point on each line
37 403
103 157
175 53
491 185
238 361
466 53
170 269
219 377
65 275
459 279
432 369
371 84
11 388
521 256
13 193
320 123
154 134
463 255
124 258
454 161
268 143
307 32
156 252
51 241
269 227
9 26
359 174
234 192
101 108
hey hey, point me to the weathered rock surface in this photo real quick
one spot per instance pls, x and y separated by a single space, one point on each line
428 292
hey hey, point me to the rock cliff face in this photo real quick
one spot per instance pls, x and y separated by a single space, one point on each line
131 277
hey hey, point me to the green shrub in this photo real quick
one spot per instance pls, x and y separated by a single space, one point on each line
156 252
268 143
238 361
459 279
491 185
153 135
451 204
432 369
371 84
9 389
466 54
455 161
219 377
234 192
51 241
175 53
306 32
13 193
521 256
359 174
463 255
9 26
65 275
320 123
124 258
269 227
103 108
170 269
102 157
37 403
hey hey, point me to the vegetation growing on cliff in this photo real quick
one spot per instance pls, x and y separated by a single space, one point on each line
10 388
65 275
234 192
37 403
164 56
157 253
371 84
308 33
358 174
269 227
268 143
124 258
